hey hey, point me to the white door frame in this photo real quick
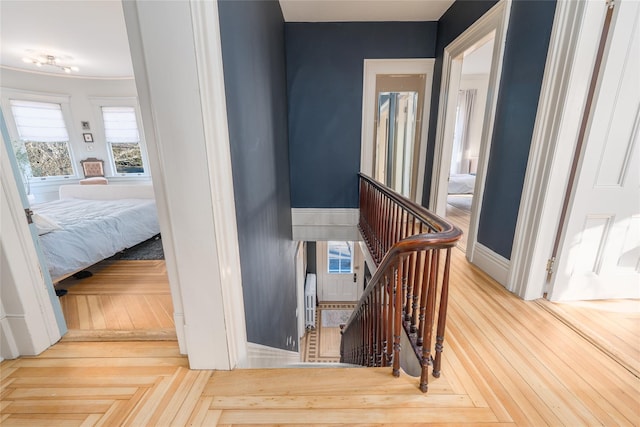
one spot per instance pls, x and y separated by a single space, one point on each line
495 20
29 322
372 67
572 50
196 205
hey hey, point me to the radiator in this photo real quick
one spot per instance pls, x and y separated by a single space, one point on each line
310 301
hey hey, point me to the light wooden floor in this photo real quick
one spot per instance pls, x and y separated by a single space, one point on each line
506 362
460 218
123 299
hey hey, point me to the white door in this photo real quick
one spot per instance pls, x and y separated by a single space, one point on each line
336 268
599 255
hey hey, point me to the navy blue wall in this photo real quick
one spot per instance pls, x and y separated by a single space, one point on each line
324 82
525 55
454 22
252 35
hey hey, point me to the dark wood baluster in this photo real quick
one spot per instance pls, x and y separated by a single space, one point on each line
442 315
389 281
423 297
397 319
428 329
417 291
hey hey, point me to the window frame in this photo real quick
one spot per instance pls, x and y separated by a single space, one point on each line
111 171
351 245
9 95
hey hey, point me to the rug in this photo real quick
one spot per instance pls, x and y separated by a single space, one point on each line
460 201
335 318
148 250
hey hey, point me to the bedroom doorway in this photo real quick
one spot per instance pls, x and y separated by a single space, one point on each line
471 70
475 65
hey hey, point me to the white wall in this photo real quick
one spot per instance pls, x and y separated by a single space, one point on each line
79 91
480 82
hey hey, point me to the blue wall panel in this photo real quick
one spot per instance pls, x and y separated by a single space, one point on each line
252 35
324 83
525 55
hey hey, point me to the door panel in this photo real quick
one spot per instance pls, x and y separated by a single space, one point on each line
600 252
335 281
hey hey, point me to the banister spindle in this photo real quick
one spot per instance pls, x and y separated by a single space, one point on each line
404 240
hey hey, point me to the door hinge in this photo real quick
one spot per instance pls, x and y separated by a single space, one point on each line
550 263
29 213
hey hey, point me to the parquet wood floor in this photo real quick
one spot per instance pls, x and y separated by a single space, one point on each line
123 300
506 362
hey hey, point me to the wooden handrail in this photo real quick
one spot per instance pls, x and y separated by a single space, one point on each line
405 241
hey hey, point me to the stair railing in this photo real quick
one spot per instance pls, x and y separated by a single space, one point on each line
406 241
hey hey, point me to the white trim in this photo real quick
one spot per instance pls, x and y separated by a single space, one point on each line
157 164
26 298
496 19
208 46
492 263
8 345
320 224
567 76
372 67
198 196
262 356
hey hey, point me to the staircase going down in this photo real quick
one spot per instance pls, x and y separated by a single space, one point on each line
408 293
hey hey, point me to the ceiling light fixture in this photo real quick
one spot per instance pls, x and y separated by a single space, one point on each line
51 61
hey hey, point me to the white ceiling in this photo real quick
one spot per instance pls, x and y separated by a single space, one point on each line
91 34
363 10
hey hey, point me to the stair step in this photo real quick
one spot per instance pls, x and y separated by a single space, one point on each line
321 365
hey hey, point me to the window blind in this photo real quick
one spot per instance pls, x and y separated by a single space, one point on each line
39 121
120 125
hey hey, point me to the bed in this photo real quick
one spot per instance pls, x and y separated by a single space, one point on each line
93 222
461 183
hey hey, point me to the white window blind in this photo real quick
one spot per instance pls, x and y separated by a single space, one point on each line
39 121
120 125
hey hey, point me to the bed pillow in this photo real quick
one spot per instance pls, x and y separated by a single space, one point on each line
44 224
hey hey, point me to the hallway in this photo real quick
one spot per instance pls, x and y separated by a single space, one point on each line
506 361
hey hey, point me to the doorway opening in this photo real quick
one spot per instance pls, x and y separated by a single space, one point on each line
470 107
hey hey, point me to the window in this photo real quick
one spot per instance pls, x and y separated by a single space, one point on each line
340 257
43 149
122 136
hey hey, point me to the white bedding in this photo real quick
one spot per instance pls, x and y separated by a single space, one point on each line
461 184
92 230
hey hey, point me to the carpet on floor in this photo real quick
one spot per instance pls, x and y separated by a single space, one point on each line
460 201
148 250
335 318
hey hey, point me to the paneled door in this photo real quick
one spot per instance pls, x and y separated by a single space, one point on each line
336 267
600 251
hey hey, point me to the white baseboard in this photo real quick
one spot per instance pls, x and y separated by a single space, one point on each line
318 224
493 264
262 356
8 346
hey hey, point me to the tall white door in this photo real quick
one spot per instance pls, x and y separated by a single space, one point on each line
336 268
599 256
